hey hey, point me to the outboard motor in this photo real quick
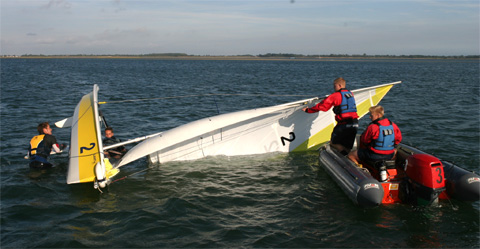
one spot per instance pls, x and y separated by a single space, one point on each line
426 178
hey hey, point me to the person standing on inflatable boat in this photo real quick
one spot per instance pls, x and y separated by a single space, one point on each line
378 141
41 146
345 109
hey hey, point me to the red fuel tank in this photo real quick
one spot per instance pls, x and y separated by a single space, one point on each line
426 170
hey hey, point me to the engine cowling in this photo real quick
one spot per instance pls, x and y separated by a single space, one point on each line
426 176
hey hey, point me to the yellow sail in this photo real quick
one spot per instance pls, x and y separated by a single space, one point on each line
85 141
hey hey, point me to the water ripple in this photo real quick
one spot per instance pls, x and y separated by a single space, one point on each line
273 200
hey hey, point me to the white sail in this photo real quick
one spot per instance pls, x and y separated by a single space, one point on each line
281 128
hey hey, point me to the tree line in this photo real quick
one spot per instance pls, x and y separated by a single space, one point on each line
266 56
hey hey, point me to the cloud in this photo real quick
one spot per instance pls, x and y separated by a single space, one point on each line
58 3
116 35
46 41
240 27
118 6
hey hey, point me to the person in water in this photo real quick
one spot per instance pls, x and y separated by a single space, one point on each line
345 109
110 139
378 141
41 146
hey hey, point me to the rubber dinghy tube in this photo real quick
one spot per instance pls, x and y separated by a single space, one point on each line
370 193
461 184
100 175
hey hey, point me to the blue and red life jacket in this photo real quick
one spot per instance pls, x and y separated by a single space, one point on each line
386 137
348 103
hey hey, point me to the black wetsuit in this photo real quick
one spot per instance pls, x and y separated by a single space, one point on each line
118 151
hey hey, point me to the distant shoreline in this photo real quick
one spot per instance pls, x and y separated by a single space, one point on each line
240 57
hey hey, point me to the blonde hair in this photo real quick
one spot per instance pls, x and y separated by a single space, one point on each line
377 109
340 81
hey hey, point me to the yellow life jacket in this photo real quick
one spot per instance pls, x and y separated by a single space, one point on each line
35 143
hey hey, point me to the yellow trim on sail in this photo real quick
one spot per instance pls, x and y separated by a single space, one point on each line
378 94
88 150
315 141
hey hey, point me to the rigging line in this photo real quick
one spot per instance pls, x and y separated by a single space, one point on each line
79 156
218 111
81 116
202 95
125 177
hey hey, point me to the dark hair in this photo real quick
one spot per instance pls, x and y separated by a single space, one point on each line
42 126
109 129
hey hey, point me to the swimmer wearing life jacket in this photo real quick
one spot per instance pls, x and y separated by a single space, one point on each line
345 109
41 146
378 141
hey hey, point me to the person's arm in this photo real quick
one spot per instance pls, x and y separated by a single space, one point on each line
56 148
50 139
325 104
368 135
398 134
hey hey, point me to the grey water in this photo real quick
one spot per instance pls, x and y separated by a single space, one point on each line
273 200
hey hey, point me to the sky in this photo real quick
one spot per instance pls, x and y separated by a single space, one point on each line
229 27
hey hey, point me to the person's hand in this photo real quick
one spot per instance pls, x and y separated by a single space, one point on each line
304 109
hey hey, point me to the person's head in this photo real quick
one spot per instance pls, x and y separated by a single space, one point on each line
339 83
109 132
44 128
376 112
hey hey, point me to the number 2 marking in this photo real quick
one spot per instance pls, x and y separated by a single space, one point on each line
86 148
288 139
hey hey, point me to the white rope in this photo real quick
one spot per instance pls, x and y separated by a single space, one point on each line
202 95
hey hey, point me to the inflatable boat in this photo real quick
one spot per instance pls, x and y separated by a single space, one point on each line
413 177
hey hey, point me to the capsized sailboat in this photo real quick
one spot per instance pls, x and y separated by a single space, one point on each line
86 159
280 128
